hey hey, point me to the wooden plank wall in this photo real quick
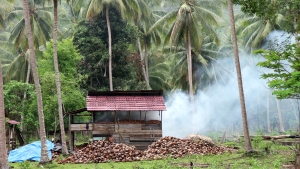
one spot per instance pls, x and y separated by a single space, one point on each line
141 139
128 127
138 135
103 129
81 127
151 127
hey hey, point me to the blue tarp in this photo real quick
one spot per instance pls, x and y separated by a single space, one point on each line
30 151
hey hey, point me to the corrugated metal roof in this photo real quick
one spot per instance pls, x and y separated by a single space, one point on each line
125 103
127 93
13 122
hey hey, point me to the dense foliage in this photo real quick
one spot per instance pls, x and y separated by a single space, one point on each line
284 77
19 99
91 41
72 96
269 10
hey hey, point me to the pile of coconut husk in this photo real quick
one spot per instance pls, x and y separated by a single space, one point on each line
175 147
104 151
200 138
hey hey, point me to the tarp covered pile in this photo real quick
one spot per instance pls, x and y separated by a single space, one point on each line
30 152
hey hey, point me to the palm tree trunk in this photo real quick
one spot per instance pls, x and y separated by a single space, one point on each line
248 146
59 99
109 48
146 63
143 63
281 128
268 112
189 61
44 153
295 27
24 95
3 150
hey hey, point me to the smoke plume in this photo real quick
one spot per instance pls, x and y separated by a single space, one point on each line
217 109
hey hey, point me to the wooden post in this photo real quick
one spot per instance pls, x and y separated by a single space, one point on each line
13 141
129 116
71 140
140 116
70 145
93 123
161 120
119 130
115 117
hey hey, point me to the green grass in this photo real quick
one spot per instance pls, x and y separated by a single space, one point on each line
278 156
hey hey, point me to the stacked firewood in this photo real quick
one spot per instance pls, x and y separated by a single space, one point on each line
104 151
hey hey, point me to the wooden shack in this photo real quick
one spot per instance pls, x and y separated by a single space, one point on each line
131 117
13 135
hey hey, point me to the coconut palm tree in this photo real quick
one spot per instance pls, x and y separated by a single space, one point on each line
71 16
143 22
3 149
40 17
17 68
58 84
159 71
123 6
206 67
253 30
15 63
4 9
248 146
44 152
188 21
7 52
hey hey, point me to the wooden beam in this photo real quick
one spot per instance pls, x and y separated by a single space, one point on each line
70 144
128 115
279 137
80 127
143 138
161 119
71 140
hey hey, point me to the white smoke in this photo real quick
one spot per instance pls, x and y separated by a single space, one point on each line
280 36
217 109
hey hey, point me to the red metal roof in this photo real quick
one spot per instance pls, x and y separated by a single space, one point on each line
13 122
125 103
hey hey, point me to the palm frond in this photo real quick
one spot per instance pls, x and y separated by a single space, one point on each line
17 32
121 8
133 8
94 8
195 39
45 27
162 21
177 27
201 59
46 15
13 15
15 69
211 17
